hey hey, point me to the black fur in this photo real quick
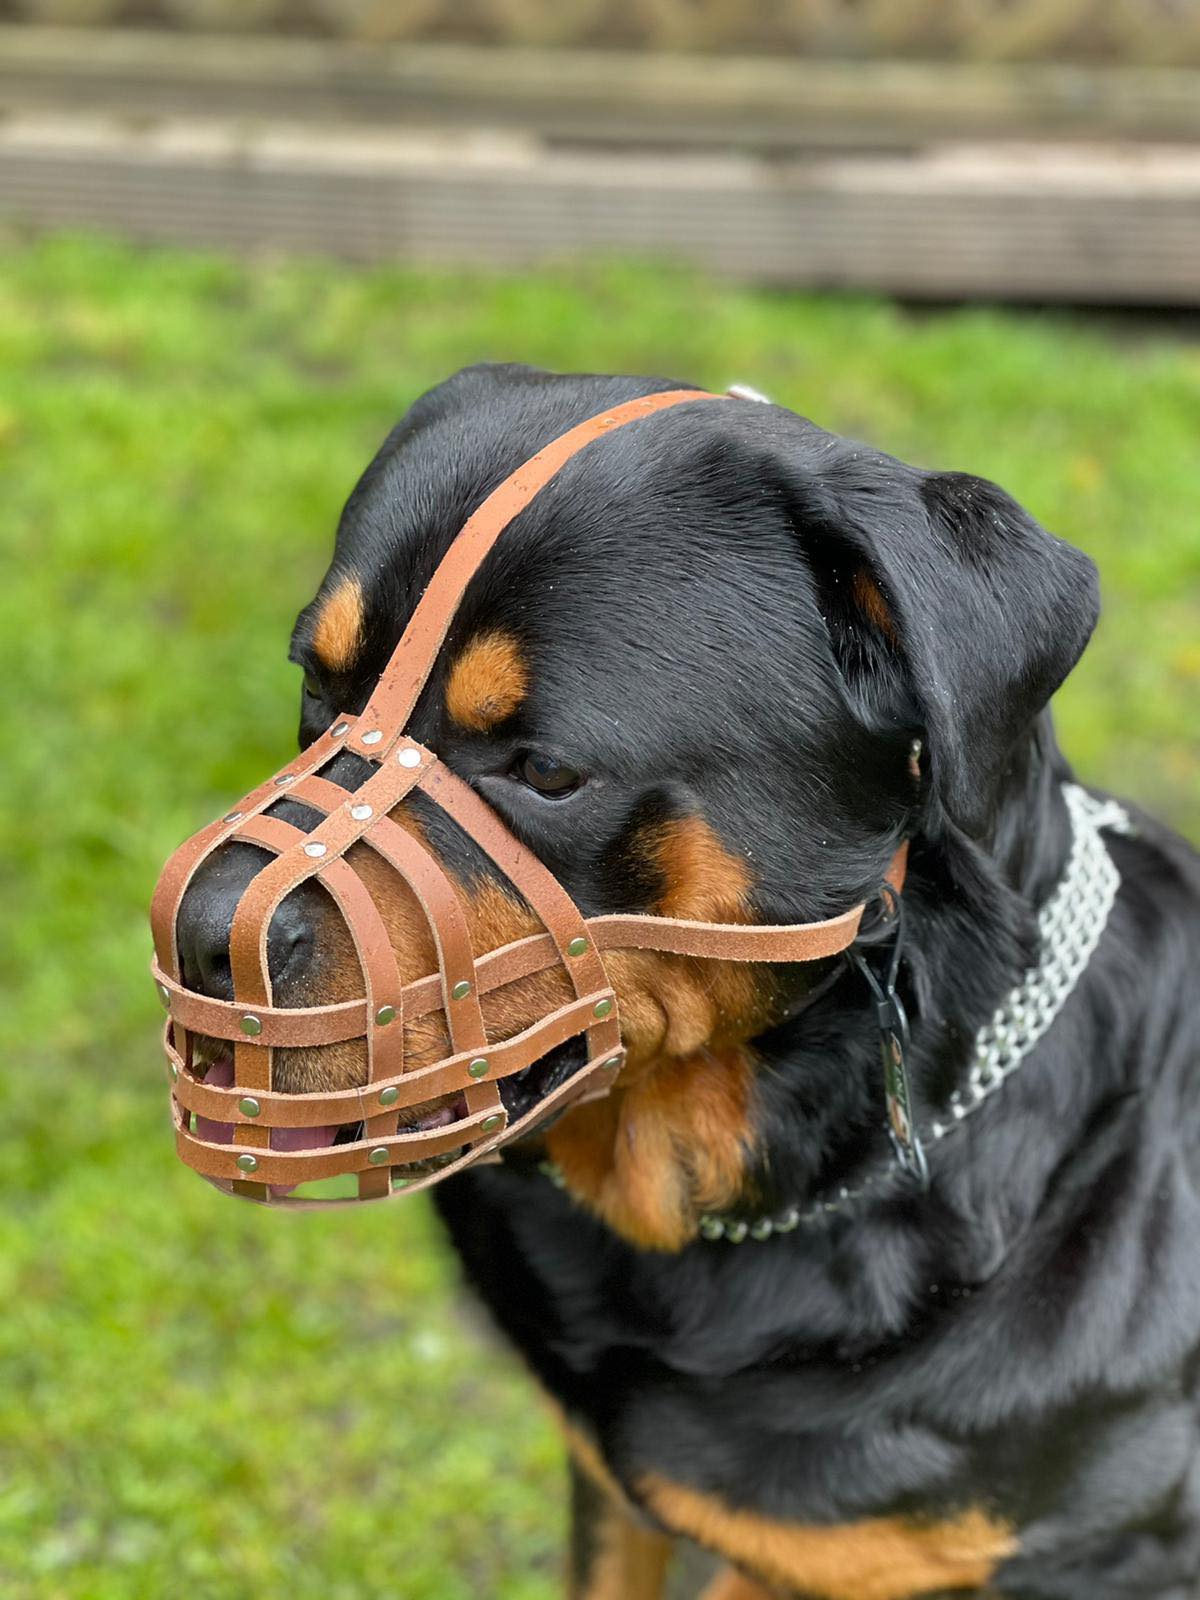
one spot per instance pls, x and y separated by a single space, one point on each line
1024 1336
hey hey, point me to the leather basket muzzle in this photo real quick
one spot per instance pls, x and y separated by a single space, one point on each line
381 1158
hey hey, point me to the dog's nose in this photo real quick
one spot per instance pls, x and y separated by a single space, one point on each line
206 917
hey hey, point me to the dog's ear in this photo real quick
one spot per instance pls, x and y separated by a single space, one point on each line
952 613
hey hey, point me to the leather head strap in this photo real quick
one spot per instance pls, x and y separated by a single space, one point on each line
373 1146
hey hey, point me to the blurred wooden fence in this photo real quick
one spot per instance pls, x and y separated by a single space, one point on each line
1161 32
819 152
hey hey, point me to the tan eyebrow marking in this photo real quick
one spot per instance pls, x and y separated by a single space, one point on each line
338 635
488 682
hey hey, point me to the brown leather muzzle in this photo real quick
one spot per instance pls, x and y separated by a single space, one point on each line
382 1158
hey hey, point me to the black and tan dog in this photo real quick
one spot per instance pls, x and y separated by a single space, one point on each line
719 669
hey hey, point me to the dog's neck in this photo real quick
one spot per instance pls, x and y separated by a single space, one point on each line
971 910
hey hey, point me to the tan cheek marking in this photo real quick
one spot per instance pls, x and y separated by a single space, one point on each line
672 1139
662 1149
876 1558
868 597
488 682
338 634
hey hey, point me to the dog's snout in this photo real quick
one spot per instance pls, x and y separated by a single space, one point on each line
206 917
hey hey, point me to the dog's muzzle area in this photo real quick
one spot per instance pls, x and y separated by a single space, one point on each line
310 962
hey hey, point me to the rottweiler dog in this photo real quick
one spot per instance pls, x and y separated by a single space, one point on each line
719 669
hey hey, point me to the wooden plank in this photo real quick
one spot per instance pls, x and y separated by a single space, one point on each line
1113 224
575 97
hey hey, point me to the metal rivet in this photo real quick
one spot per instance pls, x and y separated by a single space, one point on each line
602 1008
164 994
389 1096
283 777
342 727
373 737
611 1064
251 1025
361 813
408 757
460 991
490 1124
249 1106
315 849
384 1015
232 816
478 1067
379 1155
247 1162
577 947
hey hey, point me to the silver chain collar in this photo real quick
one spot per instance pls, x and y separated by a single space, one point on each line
1071 924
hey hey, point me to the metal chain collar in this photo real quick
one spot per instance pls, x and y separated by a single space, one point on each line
1071 924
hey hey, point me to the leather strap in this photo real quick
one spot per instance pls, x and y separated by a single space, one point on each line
390 706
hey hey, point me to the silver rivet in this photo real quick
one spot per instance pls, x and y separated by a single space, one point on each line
164 994
460 991
249 1106
478 1067
283 777
577 947
490 1124
384 1015
602 1008
252 1026
232 816
247 1162
379 1155
361 813
611 1064
373 737
342 727
408 757
315 849
389 1096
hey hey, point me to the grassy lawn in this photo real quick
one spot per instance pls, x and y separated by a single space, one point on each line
202 1398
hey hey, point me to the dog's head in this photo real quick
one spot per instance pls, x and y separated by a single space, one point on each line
690 677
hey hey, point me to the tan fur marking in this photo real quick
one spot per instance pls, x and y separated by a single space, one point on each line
488 682
631 1563
730 1584
868 597
671 1140
876 1558
338 634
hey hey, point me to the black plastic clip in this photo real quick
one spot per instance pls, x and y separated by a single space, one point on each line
893 1049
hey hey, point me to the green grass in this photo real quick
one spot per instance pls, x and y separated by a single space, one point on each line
195 1396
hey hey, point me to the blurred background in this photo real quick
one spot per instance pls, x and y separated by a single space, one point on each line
238 238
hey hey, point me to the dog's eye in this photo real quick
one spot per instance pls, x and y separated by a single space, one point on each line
546 775
311 687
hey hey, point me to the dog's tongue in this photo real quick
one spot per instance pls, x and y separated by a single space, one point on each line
220 1076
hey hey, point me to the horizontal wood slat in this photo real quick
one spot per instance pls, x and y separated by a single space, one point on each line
578 97
1017 30
1109 224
